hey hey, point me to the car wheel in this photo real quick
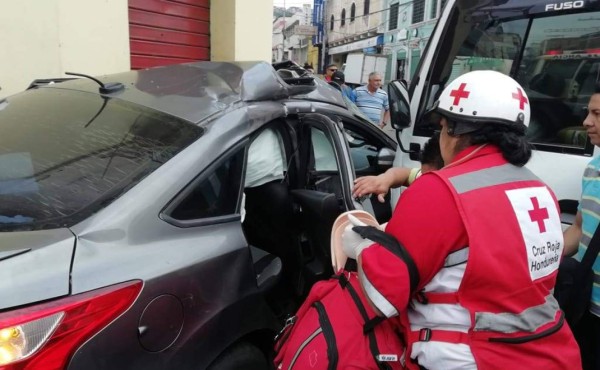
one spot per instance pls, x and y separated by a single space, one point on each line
241 356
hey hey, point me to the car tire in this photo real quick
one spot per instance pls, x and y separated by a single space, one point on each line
241 356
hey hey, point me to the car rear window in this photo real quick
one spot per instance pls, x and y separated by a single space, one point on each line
64 154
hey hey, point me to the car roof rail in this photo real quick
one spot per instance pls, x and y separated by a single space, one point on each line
290 66
47 81
299 85
291 77
298 79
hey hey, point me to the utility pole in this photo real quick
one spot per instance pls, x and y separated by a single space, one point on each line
283 30
325 34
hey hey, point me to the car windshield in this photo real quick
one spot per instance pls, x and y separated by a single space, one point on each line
354 109
555 56
64 155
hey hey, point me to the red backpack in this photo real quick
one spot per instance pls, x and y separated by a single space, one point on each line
335 328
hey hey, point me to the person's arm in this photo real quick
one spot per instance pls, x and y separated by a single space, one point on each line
572 236
350 94
384 277
381 184
386 114
386 119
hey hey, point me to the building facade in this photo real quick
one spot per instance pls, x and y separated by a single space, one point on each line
282 28
293 36
353 26
43 39
408 27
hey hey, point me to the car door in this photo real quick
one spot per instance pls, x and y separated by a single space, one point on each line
372 153
323 188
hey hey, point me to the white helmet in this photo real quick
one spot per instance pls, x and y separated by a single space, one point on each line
484 97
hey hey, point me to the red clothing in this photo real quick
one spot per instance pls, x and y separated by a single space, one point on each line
428 226
502 287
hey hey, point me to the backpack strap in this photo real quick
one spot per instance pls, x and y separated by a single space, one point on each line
392 244
369 323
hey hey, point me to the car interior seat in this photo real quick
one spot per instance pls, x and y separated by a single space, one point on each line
270 225
319 211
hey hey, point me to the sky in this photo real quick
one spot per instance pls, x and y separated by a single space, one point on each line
289 3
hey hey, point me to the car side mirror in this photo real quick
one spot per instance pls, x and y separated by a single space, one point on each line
399 105
414 152
385 159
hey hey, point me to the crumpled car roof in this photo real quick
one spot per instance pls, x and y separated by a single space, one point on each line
196 91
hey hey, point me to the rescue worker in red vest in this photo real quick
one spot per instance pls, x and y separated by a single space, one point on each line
485 235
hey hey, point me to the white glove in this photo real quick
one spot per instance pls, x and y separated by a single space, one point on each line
352 243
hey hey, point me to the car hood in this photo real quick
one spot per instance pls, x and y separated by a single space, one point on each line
34 266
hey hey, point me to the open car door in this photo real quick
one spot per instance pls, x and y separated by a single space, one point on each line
324 187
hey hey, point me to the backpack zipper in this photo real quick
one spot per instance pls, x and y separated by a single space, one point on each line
304 344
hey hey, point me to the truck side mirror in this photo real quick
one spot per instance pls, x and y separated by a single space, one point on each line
399 105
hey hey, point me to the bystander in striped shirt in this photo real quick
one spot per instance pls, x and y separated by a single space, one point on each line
590 212
372 105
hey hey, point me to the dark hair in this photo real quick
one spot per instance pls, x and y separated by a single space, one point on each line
331 65
514 146
431 154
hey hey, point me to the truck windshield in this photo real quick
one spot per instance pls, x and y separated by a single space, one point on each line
64 155
554 55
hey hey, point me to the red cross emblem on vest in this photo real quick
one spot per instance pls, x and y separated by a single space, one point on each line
461 93
538 214
521 98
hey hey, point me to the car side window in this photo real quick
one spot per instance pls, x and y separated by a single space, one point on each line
363 153
559 63
214 194
323 151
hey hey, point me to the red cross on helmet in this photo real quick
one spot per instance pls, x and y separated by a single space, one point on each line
484 97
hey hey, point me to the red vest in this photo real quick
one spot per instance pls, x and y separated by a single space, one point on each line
515 246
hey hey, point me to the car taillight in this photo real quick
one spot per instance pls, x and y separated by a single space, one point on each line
45 336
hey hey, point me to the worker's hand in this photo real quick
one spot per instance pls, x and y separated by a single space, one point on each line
352 243
379 185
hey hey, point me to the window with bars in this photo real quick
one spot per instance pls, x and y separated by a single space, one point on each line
331 22
366 8
433 13
343 18
352 12
394 16
434 10
418 12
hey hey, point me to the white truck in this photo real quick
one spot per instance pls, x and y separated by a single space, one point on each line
359 65
512 36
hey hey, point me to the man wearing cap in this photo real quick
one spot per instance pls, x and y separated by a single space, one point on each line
485 235
339 78
373 101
